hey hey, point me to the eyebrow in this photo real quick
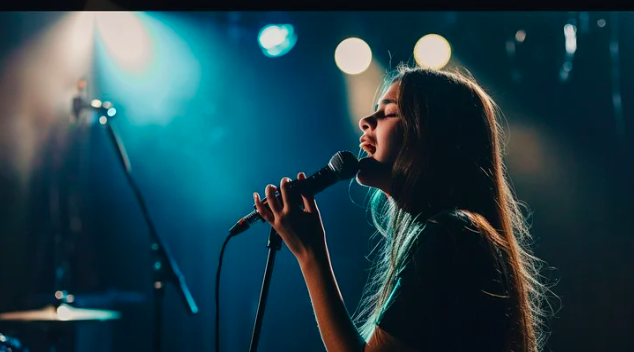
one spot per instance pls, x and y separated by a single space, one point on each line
384 102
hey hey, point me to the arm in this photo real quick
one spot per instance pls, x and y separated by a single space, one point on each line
335 326
303 233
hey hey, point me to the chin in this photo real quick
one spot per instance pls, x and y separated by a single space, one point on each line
373 173
365 180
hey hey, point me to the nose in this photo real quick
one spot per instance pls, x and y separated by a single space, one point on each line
368 122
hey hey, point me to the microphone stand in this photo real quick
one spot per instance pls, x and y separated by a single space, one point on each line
164 267
274 244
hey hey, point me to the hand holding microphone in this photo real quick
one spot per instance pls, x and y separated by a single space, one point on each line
342 166
291 209
294 216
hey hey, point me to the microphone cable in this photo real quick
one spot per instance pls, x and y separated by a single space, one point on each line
217 327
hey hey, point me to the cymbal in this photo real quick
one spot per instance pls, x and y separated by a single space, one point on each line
98 299
64 312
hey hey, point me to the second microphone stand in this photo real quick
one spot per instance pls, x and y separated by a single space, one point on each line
164 267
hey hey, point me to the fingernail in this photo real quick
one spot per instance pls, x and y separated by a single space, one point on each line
255 195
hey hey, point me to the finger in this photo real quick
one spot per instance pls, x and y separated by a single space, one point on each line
272 200
264 212
290 198
309 201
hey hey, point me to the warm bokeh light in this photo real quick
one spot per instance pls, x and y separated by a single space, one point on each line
353 56
432 51
126 39
63 312
520 35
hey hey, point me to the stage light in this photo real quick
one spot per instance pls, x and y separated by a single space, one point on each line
570 32
520 36
432 51
164 66
103 120
96 103
353 56
277 40
601 22
63 313
126 39
112 112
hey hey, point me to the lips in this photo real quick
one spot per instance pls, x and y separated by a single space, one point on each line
368 147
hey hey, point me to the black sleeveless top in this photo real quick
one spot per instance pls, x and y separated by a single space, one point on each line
451 293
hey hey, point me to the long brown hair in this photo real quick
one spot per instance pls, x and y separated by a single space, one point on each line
451 157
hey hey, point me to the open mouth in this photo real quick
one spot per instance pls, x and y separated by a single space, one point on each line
368 147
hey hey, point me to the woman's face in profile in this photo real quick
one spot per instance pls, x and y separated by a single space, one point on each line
379 140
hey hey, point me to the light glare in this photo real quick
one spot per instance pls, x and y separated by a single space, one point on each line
353 56
272 36
570 32
432 51
63 312
520 36
126 39
277 40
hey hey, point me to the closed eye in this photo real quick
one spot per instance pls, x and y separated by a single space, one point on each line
383 116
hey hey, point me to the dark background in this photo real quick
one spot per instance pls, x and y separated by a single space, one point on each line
208 119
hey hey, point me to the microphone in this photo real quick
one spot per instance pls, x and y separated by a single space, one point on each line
342 166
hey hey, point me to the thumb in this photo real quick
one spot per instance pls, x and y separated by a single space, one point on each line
309 201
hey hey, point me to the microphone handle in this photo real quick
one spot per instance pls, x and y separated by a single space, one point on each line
312 185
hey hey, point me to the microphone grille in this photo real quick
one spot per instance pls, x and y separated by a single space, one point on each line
345 164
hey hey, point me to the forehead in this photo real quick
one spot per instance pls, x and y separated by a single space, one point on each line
390 94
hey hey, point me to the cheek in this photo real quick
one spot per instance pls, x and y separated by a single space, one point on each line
392 142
